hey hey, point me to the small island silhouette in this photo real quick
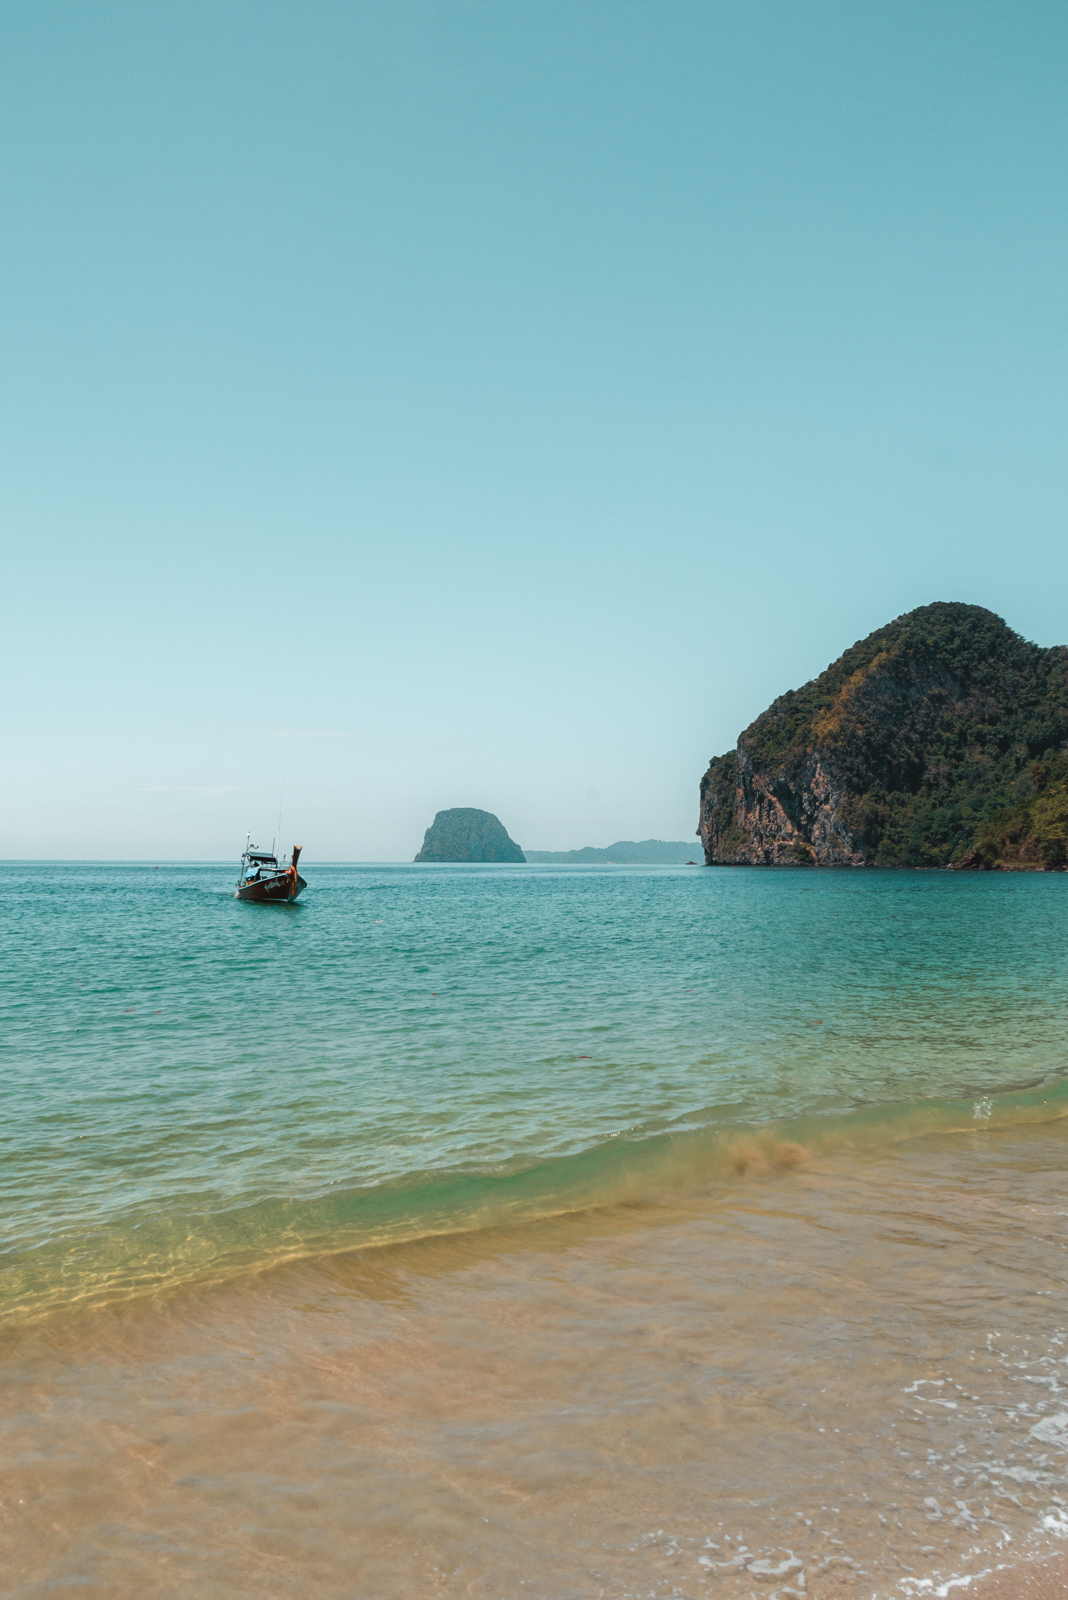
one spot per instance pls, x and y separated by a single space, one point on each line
466 834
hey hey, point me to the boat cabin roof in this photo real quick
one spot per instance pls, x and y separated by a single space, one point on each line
261 855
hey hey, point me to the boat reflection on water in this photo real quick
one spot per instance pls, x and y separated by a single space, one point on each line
266 880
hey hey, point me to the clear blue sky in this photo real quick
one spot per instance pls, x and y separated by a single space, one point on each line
499 404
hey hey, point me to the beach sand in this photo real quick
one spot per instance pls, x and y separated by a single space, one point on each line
846 1373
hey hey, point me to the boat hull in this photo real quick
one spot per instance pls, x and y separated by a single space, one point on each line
280 890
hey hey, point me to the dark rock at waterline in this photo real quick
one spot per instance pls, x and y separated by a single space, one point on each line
902 753
467 834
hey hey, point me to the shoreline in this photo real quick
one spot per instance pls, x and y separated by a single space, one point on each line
643 1234
811 1372
152 1258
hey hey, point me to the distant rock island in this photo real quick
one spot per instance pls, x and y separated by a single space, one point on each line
466 834
941 739
646 852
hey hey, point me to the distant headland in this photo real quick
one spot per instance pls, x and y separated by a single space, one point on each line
467 834
644 852
939 740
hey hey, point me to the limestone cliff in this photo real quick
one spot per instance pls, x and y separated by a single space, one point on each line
467 834
896 754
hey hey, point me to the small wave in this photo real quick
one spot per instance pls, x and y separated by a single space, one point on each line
152 1252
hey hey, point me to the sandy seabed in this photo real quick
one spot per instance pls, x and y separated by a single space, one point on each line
838 1380
1038 1580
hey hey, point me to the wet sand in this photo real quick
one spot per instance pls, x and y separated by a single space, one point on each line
1039 1580
839 1380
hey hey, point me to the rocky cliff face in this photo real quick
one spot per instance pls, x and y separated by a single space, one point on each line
755 818
896 754
466 834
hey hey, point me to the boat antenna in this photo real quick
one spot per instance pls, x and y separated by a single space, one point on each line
281 797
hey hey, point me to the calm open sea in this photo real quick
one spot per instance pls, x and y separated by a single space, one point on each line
548 1231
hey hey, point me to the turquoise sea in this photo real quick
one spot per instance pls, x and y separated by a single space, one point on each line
193 1086
535 1231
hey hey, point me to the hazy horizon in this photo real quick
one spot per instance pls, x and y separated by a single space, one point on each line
340 861
445 404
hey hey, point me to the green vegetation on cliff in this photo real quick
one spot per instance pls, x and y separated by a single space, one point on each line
1032 834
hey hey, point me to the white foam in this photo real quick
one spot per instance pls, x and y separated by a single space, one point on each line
1052 1430
933 1587
764 1569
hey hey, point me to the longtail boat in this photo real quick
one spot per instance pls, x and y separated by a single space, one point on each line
264 879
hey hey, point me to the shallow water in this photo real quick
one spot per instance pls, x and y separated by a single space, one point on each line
841 1380
506 1231
193 1085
